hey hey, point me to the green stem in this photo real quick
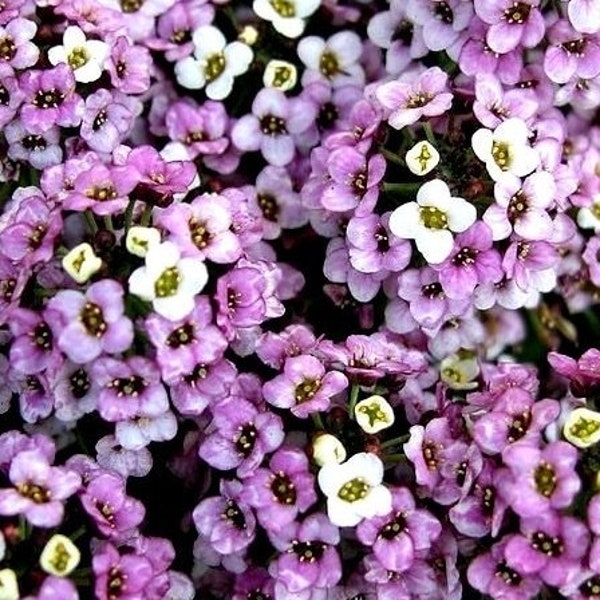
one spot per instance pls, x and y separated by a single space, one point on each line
401 187
394 458
392 156
128 215
90 221
353 399
395 441
108 223
318 421
77 534
146 215
429 133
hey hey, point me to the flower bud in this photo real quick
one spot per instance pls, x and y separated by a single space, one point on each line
458 372
280 74
139 239
59 556
81 263
248 35
327 448
374 414
9 590
422 158
582 427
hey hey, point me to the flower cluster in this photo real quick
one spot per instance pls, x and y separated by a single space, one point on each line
299 299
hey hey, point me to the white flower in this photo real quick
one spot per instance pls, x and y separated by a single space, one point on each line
374 414
431 219
215 63
506 149
354 490
248 35
588 217
140 239
9 590
137 433
582 427
422 158
458 371
85 57
280 74
81 262
59 556
168 281
288 16
327 448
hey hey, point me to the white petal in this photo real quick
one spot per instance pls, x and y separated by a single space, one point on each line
208 40
432 192
57 55
434 244
73 37
190 73
461 214
141 285
482 142
405 220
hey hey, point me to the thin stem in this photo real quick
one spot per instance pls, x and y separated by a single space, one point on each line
108 222
146 215
353 399
318 421
394 458
429 133
90 221
392 156
401 187
395 441
128 215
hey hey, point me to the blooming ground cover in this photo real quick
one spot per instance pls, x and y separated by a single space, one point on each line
299 299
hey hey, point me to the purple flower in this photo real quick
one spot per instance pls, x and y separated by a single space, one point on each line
402 535
75 392
511 23
119 575
532 265
40 150
225 522
353 181
129 66
38 489
11 96
202 228
490 574
304 387
18 50
254 581
241 436
407 101
308 560
282 491
541 479
50 99
107 119
86 325
273 125
583 374
56 587
181 344
442 22
114 513
550 546
130 388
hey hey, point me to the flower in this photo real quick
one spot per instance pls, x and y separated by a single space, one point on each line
288 17
140 239
354 490
327 448
422 158
9 587
506 149
374 414
81 262
85 57
431 219
215 63
59 556
168 281
582 427
280 74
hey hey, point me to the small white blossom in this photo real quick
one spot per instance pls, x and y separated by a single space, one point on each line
582 427
588 217
327 448
422 158
288 16
85 57
169 281
506 149
215 63
140 239
9 589
458 371
280 74
354 490
431 220
374 414
137 433
59 556
248 35
81 262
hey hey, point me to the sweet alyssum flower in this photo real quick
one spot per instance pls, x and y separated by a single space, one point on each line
85 57
327 448
431 219
280 74
9 586
81 262
168 281
582 427
59 556
288 17
215 63
374 414
422 158
354 489
140 239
